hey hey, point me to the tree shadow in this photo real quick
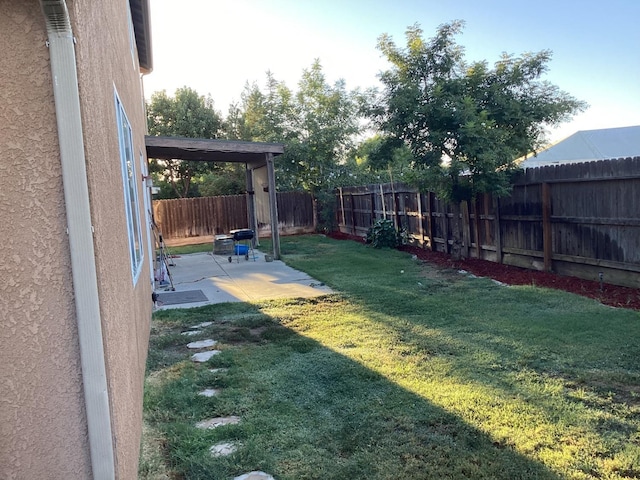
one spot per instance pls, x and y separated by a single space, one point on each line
315 411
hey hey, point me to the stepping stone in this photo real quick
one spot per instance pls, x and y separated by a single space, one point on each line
218 370
209 392
202 325
202 344
218 422
204 356
255 476
192 332
223 449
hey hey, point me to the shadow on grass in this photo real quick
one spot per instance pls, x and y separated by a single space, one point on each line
553 375
308 411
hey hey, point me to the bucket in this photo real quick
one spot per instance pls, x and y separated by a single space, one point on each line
241 249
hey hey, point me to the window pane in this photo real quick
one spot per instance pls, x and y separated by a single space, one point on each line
130 190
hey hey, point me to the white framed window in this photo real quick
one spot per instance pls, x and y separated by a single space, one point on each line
130 184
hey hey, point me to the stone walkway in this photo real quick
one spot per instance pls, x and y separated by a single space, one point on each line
223 448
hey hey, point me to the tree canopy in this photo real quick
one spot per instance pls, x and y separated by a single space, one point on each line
316 123
186 114
465 123
452 126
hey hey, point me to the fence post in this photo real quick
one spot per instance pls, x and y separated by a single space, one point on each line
546 226
477 225
466 229
496 203
344 220
373 207
445 226
394 203
432 243
353 215
420 220
487 222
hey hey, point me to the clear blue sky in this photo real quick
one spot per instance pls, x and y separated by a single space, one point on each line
217 46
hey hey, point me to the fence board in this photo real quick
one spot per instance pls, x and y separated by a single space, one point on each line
207 216
584 222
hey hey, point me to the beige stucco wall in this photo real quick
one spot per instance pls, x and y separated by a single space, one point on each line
42 418
105 63
41 399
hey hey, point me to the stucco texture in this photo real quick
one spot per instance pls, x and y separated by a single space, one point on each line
106 65
42 417
41 399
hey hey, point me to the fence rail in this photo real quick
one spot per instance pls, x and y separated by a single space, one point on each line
578 219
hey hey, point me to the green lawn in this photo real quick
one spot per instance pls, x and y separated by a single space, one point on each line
407 373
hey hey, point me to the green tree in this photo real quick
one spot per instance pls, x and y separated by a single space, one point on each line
268 114
186 114
476 118
316 123
230 180
326 121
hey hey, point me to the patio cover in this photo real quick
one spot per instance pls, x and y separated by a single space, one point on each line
252 154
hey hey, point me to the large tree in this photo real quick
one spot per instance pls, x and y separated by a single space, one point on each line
186 114
465 123
316 123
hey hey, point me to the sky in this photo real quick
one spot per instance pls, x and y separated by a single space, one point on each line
216 46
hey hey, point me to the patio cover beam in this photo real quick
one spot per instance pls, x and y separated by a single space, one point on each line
252 154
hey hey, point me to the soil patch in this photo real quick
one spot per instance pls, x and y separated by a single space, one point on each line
613 295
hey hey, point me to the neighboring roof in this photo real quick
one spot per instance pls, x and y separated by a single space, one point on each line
590 145
142 30
200 149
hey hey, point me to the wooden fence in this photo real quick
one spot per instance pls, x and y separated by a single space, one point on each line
581 220
207 216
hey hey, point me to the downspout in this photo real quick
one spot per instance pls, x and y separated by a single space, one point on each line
80 232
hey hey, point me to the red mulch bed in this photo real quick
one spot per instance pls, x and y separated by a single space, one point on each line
616 296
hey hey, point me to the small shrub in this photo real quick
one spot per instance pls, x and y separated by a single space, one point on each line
383 234
326 211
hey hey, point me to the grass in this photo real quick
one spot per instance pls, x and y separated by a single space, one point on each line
407 373
186 249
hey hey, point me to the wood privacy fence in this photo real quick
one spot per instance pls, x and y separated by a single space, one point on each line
581 220
207 216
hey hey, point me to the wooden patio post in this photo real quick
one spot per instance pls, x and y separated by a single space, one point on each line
251 205
273 206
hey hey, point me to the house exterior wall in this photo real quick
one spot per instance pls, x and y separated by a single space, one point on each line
105 63
41 397
42 418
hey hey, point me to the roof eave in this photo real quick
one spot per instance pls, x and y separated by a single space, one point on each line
142 29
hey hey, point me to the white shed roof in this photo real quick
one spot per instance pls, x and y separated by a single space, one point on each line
590 145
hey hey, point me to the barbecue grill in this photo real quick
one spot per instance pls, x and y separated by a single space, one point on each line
242 243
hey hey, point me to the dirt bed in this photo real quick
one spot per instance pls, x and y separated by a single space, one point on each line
616 296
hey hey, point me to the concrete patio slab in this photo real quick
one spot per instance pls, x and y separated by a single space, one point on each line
239 281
